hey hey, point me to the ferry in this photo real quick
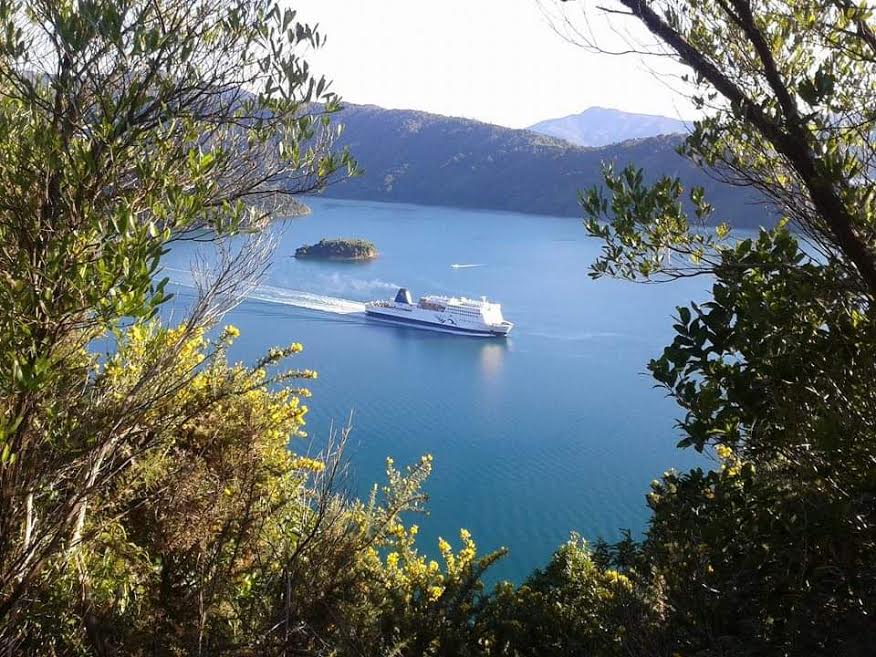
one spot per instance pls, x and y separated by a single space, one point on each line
445 314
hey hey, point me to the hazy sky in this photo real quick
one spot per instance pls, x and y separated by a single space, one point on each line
493 60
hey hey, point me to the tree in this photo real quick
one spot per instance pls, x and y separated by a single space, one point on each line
126 126
221 538
151 501
771 552
789 88
577 605
168 547
406 604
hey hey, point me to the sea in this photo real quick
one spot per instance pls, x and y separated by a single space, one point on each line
556 429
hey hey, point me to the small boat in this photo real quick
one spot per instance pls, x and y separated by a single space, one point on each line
480 318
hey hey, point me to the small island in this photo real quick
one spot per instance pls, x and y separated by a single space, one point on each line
338 249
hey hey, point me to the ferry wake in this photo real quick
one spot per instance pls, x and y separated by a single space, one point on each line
446 314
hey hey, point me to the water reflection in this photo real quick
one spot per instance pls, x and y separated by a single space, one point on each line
491 357
483 355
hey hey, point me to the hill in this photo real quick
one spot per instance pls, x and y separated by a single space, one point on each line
416 157
601 126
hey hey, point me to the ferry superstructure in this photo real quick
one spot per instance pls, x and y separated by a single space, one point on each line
459 315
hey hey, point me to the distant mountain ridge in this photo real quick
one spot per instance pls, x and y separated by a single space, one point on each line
601 126
416 157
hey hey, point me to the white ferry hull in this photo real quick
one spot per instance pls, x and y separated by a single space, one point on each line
429 326
458 316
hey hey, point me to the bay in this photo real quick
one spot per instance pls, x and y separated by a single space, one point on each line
557 428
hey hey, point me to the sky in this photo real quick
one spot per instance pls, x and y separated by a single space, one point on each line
498 61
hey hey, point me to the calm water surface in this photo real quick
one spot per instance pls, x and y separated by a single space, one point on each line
555 429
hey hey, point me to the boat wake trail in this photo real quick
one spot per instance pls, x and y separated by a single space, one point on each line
456 266
284 296
308 300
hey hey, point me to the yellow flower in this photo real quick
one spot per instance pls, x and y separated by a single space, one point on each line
723 452
416 568
392 560
310 465
435 592
618 579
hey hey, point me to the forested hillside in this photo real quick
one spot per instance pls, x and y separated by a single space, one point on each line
416 157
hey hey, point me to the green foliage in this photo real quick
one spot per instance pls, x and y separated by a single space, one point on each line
790 90
396 601
777 371
771 552
575 606
151 501
648 225
125 126
220 535
186 518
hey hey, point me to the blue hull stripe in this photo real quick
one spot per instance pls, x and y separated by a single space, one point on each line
433 325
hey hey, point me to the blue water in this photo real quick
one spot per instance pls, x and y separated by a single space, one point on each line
557 428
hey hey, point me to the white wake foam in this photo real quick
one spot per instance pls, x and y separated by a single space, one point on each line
308 300
283 296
